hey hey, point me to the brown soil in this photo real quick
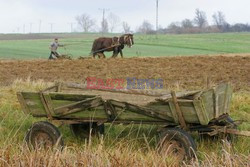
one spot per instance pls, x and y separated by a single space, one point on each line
177 72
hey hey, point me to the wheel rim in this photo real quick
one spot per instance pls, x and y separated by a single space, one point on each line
42 140
173 148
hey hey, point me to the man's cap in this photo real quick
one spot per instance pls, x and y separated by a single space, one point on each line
56 38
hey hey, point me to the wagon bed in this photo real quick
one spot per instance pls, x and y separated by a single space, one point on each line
65 101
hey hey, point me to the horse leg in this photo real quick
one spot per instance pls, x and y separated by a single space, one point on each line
102 55
121 53
115 52
99 55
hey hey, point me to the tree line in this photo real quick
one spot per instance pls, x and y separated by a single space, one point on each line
199 24
88 24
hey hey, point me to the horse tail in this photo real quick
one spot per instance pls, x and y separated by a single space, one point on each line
94 47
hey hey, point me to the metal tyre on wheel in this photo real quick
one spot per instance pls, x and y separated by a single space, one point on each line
84 130
177 143
44 135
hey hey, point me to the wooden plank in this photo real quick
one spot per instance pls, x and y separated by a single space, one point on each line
45 105
23 104
48 101
126 91
138 109
133 116
220 92
173 111
59 87
50 89
73 105
228 95
128 121
225 98
216 107
32 104
201 112
31 95
88 114
161 107
79 106
76 121
110 108
189 112
207 102
168 96
178 111
69 96
238 132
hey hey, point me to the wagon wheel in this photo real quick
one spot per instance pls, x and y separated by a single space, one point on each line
84 130
177 143
44 135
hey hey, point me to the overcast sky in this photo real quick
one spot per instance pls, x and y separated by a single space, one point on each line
17 15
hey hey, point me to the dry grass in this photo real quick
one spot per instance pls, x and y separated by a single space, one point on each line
121 146
119 155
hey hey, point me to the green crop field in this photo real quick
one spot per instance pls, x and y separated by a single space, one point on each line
36 46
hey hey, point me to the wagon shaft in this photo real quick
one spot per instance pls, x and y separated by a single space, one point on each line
235 132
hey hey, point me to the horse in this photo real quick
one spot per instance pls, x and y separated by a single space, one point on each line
115 44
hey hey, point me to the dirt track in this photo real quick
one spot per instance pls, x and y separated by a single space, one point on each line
183 72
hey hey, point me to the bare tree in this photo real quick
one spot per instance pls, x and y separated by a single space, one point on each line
104 26
85 22
126 27
200 18
174 27
219 20
114 21
146 27
187 23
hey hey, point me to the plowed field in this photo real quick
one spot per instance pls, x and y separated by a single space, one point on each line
178 72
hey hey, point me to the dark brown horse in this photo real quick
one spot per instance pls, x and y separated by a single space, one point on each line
115 44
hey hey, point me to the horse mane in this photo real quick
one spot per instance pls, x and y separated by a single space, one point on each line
121 38
126 35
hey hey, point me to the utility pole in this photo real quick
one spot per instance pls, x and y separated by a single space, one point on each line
31 27
40 25
71 26
157 15
24 28
103 18
18 29
51 27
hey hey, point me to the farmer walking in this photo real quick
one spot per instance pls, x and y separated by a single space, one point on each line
53 48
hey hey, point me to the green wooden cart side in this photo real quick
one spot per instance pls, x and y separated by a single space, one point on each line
199 107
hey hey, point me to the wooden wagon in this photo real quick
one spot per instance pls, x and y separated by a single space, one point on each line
86 111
